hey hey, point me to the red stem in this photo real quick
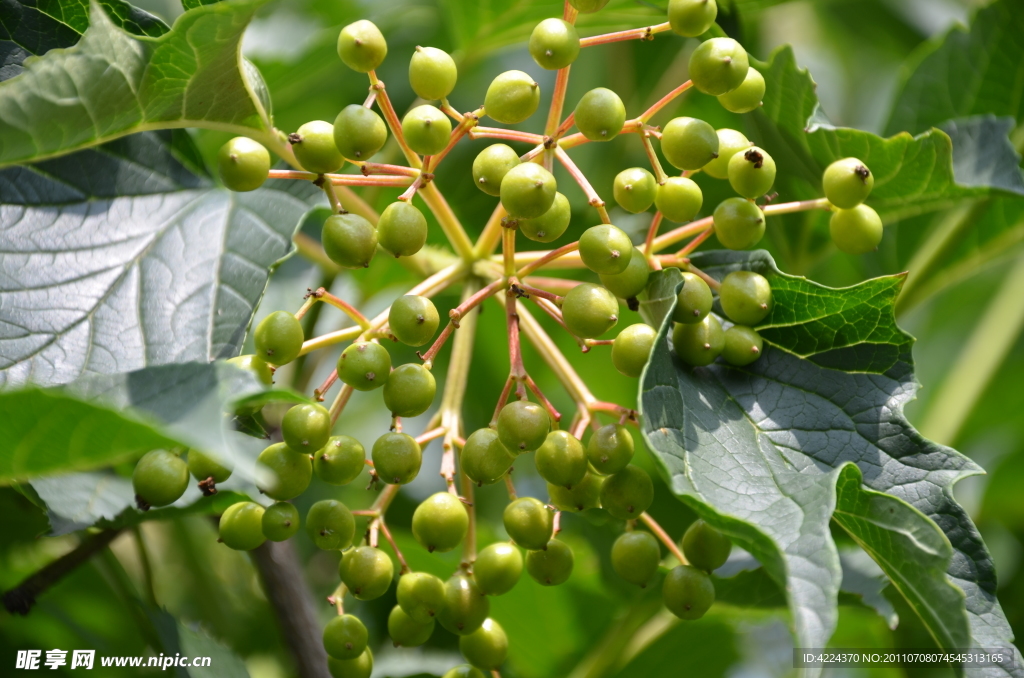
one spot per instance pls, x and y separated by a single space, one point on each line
646 33
664 101
652 232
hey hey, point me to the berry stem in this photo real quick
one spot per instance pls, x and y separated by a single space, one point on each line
530 290
340 401
337 598
581 179
664 101
369 168
474 300
508 249
517 369
580 421
677 234
394 546
661 534
652 232
372 180
558 103
555 360
511 487
370 98
432 434
712 283
564 127
569 12
598 342
469 544
624 413
384 103
556 314
468 122
559 284
491 235
506 134
695 243
435 348
509 382
652 156
646 33
292 174
449 223
330 339
447 109
546 258
347 308
455 388
332 196
556 524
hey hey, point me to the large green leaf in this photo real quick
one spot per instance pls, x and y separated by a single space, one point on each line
771 452
113 83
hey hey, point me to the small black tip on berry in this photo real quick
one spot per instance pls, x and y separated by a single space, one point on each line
142 503
633 304
755 157
294 138
863 172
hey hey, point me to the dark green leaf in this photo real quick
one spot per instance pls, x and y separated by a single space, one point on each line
181 639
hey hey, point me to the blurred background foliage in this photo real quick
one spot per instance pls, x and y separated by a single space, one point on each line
967 317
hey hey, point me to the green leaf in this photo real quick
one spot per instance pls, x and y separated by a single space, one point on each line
770 452
179 638
864 579
966 72
113 83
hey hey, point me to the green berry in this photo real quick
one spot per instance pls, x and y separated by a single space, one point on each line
345 637
361 46
600 114
628 493
359 132
632 281
331 526
314 148
432 73
512 97
364 366
694 300
746 297
241 526
857 230
691 18
278 338
552 566
280 521
589 310
523 426
402 229
739 223
635 557
497 568
406 631
203 466
700 343
426 129
290 471
610 449
409 391
413 320
584 495
554 44
689 143
847 183
465 606
340 461
483 458
752 173
679 199
588 6
743 345
397 458
687 592
440 522
549 226
561 460
465 671
730 142
244 164
528 191
529 522
360 667
306 427
366 571
349 240
718 65
421 596
605 249
747 97
160 478
487 647
632 349
705 547
634 189
491 166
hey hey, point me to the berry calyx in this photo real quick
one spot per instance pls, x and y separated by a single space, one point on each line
402 229
203 466
360 667
364 366
366 571
747 97
605 249
244 164
361 46
432 73
679 199
330 526
359 133
689 143
465 605
410 390
746 297
406 631
340 461
561 460
160 478
584 495
700 343
687 592
529 522
752 172
705 547
345 637
743 345
426 129
690 18
278 338
314 148
628 493
554 44
289 471
413 320
610 448
630 282
349 240
730 142
440 522
632 349
589 310
241 526
634 189
635 557
280 521
420 595
847 183
487 647
694 300
718 65
397 458
523 426
512 97
600 114
484 459
549 226
857 230
491 165
739 223
528 191
306 427
497 568
553 565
